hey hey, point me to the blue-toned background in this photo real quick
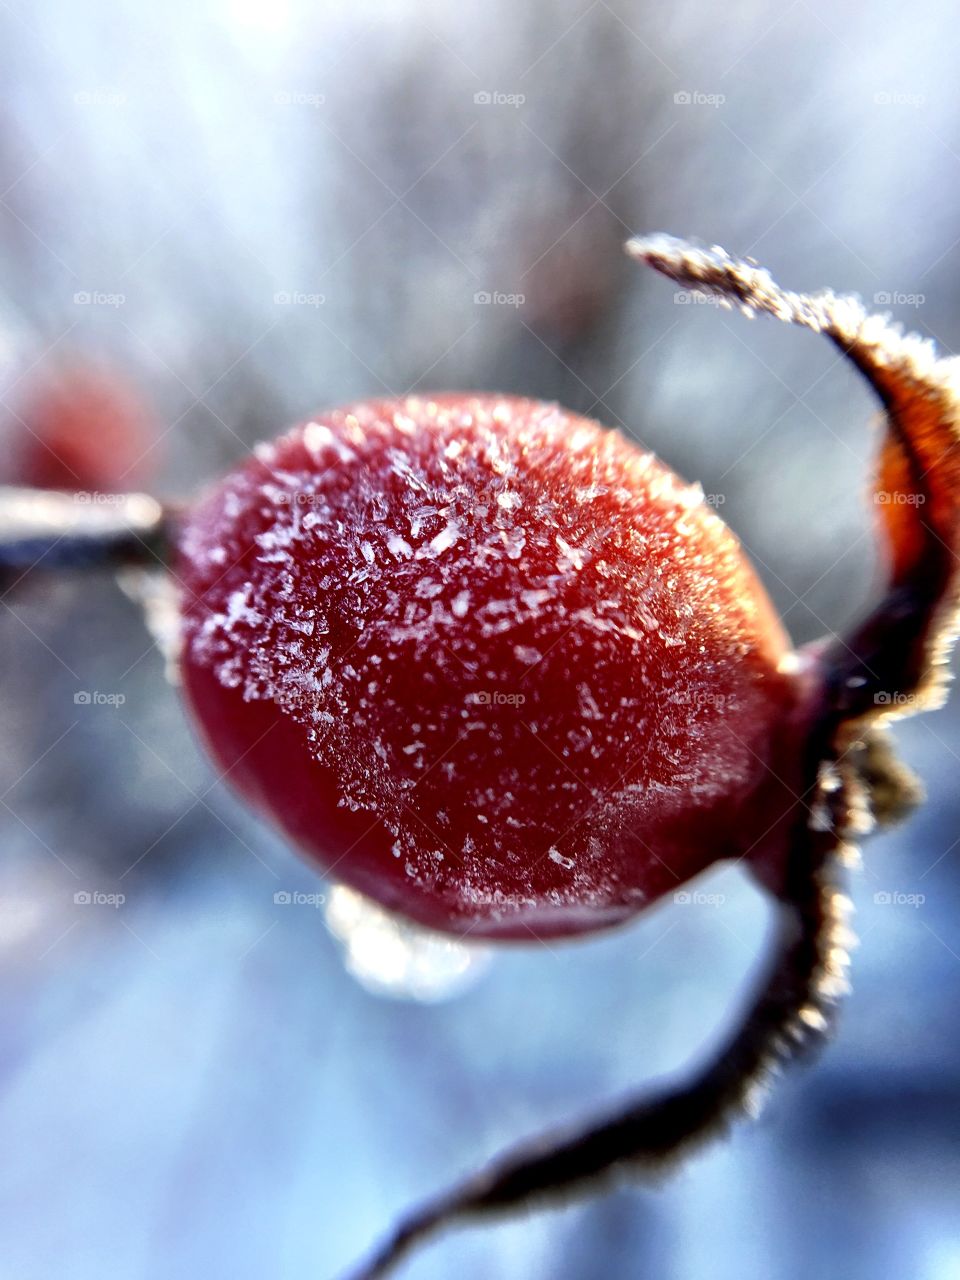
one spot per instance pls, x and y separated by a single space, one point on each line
297 204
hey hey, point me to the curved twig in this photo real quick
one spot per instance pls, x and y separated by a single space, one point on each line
790 1014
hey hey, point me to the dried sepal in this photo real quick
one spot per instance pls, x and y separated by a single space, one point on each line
894 663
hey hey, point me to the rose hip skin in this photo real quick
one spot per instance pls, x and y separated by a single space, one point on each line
488 663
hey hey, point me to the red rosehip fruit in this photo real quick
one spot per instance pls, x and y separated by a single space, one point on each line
488 663
80 428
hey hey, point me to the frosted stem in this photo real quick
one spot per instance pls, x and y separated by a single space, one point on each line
46 529
791 1013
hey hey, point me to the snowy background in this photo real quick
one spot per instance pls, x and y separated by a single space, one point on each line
297 204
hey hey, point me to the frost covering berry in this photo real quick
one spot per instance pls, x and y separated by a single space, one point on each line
485 661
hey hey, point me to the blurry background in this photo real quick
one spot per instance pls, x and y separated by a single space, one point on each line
250 209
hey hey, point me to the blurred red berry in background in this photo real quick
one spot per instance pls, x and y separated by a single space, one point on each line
79 427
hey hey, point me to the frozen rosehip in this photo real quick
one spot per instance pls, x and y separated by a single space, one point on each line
487 662
505 674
